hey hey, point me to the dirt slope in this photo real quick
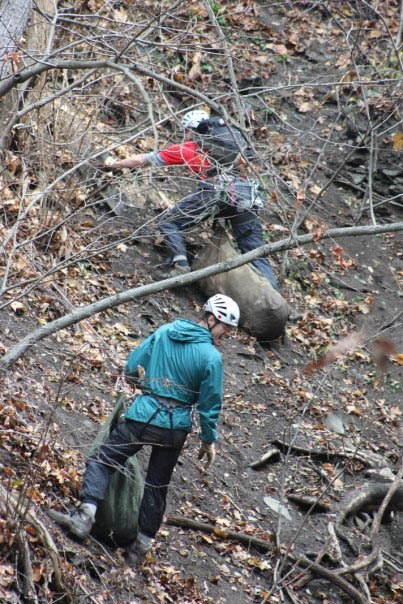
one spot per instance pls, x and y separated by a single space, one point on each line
55 397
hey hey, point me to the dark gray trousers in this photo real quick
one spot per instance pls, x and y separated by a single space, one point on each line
205 203
123 442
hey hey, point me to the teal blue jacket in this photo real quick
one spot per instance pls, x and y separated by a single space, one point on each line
182 363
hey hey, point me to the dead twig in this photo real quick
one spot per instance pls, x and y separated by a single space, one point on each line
28 586
392 320
247 540
306 501
337 555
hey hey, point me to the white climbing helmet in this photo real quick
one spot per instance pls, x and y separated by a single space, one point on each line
224 309
192 119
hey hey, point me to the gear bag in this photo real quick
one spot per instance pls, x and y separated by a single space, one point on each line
263 310
222 143
117 514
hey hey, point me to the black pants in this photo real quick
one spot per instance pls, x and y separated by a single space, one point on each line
124 441
205 203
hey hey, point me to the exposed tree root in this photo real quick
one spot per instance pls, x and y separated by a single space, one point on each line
384 496
370 499
373 461
309 502
266 546
331 576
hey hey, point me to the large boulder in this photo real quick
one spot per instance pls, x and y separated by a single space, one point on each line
264 311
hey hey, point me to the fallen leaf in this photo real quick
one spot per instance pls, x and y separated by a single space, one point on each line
398 358
15 56
300 199
398 141
337 252
280 49
18 307
354 409
262 59
305 107
315 189
363 308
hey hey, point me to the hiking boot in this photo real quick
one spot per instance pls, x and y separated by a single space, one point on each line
179 268
137 551
79 523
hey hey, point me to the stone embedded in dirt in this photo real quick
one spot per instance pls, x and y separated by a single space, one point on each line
334 423
383 474
277 507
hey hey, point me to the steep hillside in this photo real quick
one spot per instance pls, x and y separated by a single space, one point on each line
317 86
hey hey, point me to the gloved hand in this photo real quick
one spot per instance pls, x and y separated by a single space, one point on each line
207 449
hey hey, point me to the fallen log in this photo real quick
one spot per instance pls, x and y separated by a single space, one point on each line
264 545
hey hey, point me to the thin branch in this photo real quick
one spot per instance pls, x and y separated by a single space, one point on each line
230 65
399 33
371 170
21 76
19 114
136 39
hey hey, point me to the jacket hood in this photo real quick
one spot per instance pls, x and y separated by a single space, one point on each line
183 330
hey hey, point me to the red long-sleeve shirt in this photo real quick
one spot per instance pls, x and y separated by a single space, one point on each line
187 154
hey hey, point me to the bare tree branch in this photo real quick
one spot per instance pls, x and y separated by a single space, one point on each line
145 290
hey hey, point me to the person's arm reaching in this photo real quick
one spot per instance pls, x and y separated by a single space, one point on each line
174 155
135 161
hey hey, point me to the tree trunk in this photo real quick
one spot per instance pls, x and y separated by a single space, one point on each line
39 42
14 15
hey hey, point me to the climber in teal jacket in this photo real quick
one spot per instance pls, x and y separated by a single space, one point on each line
180 369
184 367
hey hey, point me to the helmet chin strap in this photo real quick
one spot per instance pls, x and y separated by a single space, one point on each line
216 321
